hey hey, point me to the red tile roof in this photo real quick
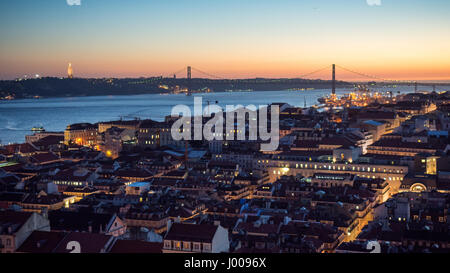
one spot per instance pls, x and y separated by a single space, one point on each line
89 242
49 140
138 173
42 242
24 148
134 246
44 158
262 229
377 115
398 143
191 232
13 220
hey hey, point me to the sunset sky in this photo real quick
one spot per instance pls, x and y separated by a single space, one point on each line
399 39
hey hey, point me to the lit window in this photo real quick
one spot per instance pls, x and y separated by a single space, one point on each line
186 245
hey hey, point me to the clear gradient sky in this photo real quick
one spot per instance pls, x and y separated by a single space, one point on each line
401 39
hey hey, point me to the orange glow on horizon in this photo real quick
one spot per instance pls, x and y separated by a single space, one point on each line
121 64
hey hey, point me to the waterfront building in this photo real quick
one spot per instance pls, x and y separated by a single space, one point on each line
83 134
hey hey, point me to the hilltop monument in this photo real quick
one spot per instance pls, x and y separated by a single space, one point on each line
70 71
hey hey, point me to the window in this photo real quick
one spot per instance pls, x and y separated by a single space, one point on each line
196 246
177 245
187 246
167 244
206 247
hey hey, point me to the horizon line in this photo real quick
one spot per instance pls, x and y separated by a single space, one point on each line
399 81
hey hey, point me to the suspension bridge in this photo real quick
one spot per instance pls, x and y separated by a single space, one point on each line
188 72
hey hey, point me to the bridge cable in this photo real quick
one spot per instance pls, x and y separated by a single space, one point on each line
207 74
314 72
175 73
371 76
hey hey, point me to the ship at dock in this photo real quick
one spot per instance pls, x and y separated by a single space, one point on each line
360 97
38 129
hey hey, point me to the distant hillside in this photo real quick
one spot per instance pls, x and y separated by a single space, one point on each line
56 87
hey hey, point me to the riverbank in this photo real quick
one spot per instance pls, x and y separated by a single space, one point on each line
17 117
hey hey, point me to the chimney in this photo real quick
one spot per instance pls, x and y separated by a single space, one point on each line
45 213
169 224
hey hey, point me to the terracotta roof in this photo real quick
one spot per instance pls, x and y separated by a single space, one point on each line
376 115
82 126
336 141
135 246
41 242
10 179
179 212
398 143
219 164
12 168
49 140
150 124
191 232
133 173
89 242
49 199
68 175
164 182
263 229
78 221
253 250
12 196
300 153
24 148
12 220
122 122
324 232
43 158
306 144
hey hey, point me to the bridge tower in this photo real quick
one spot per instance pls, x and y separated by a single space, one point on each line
189 73
189 77
333 81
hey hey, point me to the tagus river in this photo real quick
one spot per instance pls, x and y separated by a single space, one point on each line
17 117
